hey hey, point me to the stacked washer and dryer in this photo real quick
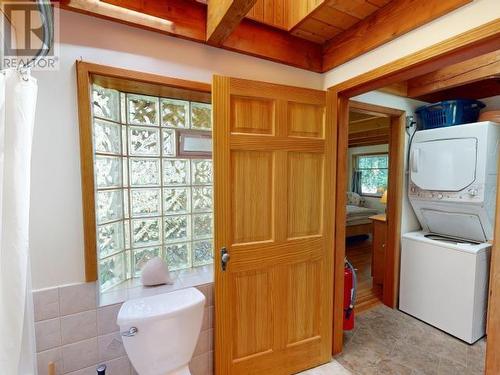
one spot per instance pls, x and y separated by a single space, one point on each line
452 188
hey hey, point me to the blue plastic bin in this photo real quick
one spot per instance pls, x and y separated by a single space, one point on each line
448 113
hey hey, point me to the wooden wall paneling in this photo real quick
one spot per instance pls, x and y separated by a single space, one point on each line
369 124
223 16
271 12
493 327
355 8
396 18
300 9
476 69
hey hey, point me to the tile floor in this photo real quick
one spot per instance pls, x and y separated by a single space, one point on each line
388 342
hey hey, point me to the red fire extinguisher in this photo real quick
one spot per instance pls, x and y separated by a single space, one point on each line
350 286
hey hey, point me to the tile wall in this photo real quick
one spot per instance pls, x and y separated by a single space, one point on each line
75 333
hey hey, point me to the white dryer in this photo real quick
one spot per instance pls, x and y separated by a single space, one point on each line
444 282
453 173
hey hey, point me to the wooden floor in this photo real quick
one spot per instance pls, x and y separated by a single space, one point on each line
359 253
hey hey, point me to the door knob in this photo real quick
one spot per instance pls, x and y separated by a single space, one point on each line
224 258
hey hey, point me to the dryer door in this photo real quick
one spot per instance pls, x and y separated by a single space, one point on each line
444 164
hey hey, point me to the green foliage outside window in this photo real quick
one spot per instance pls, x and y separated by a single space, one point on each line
374 172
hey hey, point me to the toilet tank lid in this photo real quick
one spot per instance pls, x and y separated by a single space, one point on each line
159 306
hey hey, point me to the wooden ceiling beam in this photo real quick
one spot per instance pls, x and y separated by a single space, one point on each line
187 19
273 44
394 19
223 16
479 68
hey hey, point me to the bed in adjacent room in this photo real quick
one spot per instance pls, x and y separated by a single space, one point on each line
357 220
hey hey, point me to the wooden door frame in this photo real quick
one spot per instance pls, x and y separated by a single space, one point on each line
395 185
472 43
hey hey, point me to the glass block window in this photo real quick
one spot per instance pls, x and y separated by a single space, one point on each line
150 201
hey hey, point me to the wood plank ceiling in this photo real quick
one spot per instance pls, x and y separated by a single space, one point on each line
315 35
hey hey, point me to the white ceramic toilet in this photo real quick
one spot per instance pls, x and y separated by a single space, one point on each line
160 332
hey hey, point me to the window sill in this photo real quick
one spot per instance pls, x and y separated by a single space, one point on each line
181 279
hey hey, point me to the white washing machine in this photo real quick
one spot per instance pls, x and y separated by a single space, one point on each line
444 282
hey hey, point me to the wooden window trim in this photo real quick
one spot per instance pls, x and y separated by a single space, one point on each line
355 166
128 81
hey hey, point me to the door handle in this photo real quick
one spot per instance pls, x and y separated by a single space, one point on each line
224 258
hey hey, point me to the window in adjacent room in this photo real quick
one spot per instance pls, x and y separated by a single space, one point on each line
374 172
153 183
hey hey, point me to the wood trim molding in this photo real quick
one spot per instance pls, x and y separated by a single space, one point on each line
395 19
87 171
475 42
138 82
395 189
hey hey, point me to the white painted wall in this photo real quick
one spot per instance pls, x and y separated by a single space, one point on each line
457 22
56 229
56 233
353 151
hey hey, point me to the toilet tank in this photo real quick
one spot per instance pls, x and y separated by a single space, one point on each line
166 330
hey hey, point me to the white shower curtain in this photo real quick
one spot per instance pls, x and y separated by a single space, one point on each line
17 112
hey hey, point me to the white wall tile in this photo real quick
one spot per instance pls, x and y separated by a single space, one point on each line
110 347
106 319
78 327
47 356
119 366
199 365
46 304
48 334
207 290
202 346
77 298
89 336
80 355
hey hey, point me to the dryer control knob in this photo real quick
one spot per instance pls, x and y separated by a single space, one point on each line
472 192
440 196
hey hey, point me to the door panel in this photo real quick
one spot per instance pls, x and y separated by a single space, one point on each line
306 120
251 115
274 178
252 176
305 193
444 165
304 291
253 336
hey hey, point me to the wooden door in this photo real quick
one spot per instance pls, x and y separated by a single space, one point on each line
274 202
